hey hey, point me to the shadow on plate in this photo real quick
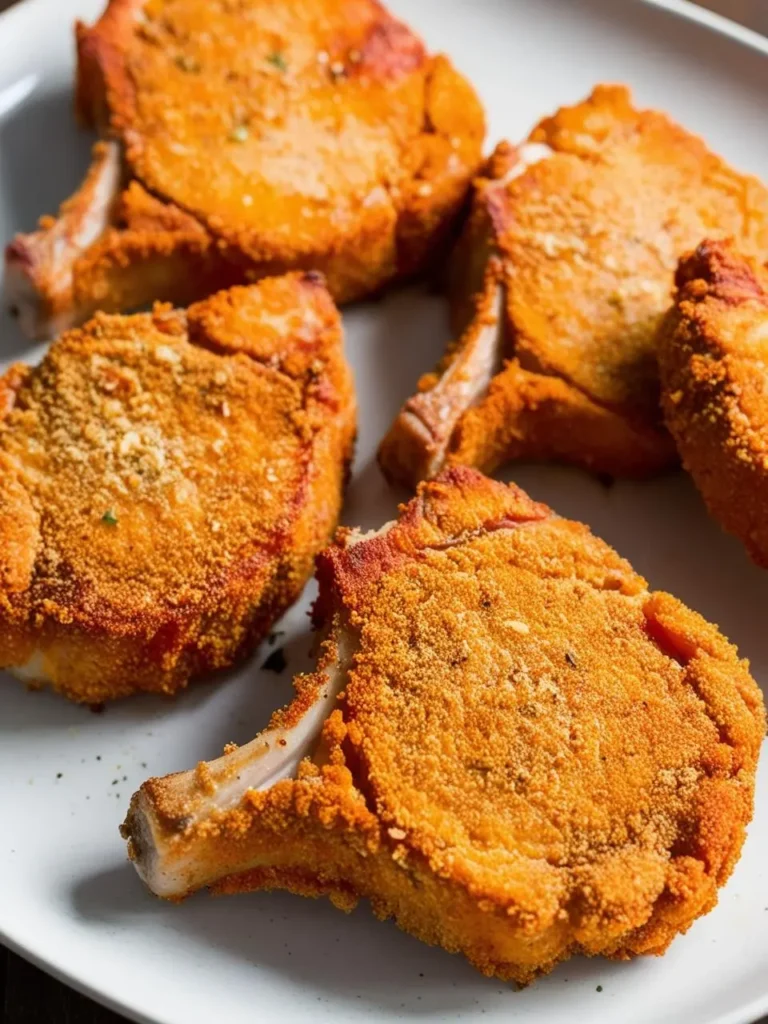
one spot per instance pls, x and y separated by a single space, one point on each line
369 963
45 711
353 956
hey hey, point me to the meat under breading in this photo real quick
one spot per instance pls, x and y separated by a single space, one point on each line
713 354
166 480
509 745
561 278
250 139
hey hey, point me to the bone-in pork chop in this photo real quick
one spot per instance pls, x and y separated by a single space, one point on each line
166 480
510 746
246 139
562 276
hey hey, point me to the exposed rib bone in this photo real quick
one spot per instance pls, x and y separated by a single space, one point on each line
172 848
483 412
39 265
416 445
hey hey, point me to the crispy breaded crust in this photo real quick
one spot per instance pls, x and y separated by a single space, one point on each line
713 354
311 135
167 480
533 756
583 245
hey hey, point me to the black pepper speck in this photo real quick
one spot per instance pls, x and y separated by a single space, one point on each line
276 661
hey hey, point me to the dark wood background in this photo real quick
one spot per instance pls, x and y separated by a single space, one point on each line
27 995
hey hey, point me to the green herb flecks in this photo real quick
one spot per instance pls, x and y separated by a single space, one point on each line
109 517
277 60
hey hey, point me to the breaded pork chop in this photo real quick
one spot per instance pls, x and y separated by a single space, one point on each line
713 354
166 480
246 139
561 279
509 745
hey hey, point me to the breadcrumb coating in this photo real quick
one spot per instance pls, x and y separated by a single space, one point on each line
167 479
579 232
713 354
533 756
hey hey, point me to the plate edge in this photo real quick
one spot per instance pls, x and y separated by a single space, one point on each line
718 23
685 9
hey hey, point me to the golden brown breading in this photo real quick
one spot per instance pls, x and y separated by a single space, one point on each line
713 354
572 260
166 480
532 755
315 134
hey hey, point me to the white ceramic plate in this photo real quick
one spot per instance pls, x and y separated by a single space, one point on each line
68 898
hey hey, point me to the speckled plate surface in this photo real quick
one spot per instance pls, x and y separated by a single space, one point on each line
69 900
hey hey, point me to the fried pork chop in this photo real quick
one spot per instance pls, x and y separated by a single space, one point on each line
248 139
509 745
166 480
713 354
561 279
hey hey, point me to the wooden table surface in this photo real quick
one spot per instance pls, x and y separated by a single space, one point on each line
28 995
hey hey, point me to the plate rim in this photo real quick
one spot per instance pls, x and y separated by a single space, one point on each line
687 10
691 11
